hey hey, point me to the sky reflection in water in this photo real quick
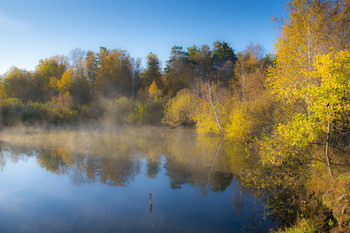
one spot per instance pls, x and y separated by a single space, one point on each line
97 181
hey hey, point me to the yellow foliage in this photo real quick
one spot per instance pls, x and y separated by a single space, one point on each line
153 90
53 82
65 83
240 126
177 110
203 113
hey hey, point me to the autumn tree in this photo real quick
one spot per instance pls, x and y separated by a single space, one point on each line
65 84
328 96
309 76
339 35
17 83
114 76
250 72
48 70
304 36
154 91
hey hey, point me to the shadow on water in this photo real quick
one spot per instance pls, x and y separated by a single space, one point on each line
207 167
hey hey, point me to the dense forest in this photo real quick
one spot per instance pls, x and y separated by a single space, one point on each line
291 107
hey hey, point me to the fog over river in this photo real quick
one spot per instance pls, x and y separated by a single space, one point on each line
143 179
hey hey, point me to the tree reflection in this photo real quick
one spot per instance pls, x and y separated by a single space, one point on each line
115 158
220 181
206 163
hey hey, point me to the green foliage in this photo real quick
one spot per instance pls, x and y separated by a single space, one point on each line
222 52
150 112
138 114
11 110
177 110
35 112
152 71
14 112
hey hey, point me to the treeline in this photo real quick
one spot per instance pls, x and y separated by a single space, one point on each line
110 84
112 73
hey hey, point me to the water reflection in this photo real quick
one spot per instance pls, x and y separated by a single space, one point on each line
117 157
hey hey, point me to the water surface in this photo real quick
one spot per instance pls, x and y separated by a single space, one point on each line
100 180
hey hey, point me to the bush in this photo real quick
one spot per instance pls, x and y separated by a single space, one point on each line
118 109
138 114
250 119
11 111
177 110
150 112
63 115
240 125
14 112
203 113
155 111
302 226
35 112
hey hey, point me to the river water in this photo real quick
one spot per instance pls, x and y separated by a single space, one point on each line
144 179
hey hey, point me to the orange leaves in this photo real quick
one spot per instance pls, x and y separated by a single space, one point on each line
153 90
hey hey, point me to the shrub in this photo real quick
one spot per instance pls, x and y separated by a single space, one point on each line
250 119
34 112
117 109
177 110
202 111
11 111
63 115
146 112
240 123
138 114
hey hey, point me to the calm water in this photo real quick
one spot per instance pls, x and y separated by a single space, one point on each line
100 181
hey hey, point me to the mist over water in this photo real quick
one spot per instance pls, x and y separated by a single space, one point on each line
99 179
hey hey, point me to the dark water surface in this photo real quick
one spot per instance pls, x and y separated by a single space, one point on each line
100 181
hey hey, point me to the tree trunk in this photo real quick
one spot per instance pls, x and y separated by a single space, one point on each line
327 150
243 88
214 110
212 167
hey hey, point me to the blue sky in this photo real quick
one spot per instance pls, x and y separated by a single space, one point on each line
37 29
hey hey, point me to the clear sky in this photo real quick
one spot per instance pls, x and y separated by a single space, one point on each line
35 29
